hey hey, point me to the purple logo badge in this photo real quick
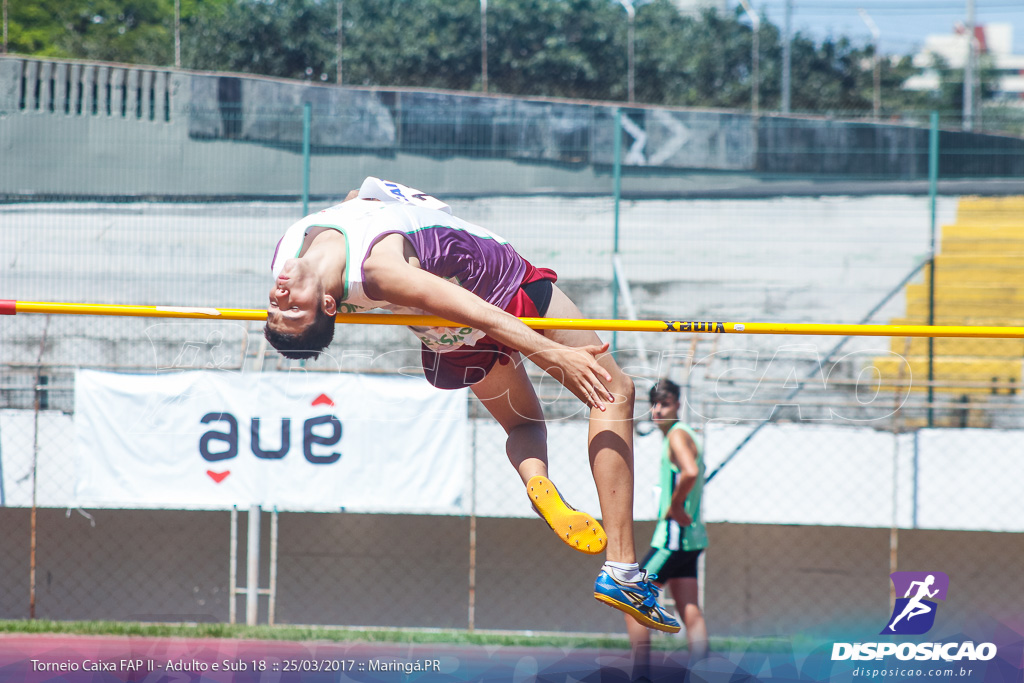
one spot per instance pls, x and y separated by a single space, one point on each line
914 612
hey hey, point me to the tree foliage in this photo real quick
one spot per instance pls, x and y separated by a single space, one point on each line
430 44
557 48
137 31
690 61
566 48
286 38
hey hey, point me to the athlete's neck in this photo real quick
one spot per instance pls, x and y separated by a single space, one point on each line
327 255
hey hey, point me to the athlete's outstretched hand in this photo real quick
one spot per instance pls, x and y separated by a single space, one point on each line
579 371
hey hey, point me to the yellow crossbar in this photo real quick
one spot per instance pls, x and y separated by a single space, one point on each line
11 307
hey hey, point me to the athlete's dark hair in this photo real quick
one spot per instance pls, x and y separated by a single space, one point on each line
664 389
306 344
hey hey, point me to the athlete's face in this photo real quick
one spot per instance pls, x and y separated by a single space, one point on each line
665 409
294 298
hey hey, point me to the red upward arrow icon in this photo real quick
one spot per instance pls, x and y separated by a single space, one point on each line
323 400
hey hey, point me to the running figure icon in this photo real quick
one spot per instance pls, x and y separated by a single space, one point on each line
916 606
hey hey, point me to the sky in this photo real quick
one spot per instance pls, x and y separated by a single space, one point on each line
902 24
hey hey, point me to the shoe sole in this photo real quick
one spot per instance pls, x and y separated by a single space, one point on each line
640 617
578 530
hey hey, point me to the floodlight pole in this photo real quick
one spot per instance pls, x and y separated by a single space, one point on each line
969 68
483 45
630 50
177 32
876 66
755 57
787 59
339 44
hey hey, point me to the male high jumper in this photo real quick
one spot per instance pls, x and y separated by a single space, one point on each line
391 247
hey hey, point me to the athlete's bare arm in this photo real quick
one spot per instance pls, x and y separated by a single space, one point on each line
683 452
391 274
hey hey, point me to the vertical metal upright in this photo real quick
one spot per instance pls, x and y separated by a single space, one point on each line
271 591
471 614
252 590
933 189
915 479
233 568
3 500
617 194
252 559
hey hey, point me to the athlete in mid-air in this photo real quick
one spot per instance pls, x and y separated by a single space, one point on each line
391 247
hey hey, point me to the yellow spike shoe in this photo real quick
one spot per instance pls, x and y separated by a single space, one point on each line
578 530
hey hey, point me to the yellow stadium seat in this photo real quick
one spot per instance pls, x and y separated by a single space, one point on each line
979 280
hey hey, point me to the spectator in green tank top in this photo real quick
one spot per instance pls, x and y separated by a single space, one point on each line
680 537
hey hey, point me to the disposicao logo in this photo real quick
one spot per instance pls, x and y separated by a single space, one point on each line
914 614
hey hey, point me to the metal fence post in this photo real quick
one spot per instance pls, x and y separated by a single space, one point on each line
252 558
933 186
233 568
617 194
307 121
471 614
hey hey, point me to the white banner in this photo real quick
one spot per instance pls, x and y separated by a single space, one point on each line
295 441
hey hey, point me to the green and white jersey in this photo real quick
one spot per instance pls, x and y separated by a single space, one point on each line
669 535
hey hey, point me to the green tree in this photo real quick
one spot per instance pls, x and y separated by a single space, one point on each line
285 38
894 72
826 77
34 29
949 99
138 31
563 48
700 62
428 43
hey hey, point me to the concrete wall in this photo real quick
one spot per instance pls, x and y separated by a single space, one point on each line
74 130
398 570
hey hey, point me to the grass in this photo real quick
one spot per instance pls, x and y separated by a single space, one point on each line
360 634
313 633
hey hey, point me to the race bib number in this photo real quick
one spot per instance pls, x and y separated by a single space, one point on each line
388 191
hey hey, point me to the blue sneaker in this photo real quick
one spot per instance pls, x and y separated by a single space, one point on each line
638 599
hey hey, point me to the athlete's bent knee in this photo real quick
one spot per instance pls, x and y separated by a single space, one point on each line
621 386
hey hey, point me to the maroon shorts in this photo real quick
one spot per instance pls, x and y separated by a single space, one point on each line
468 365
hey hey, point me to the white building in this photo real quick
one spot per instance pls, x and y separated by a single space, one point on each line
992 40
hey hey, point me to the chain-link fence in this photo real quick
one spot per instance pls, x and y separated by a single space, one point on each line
831 461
